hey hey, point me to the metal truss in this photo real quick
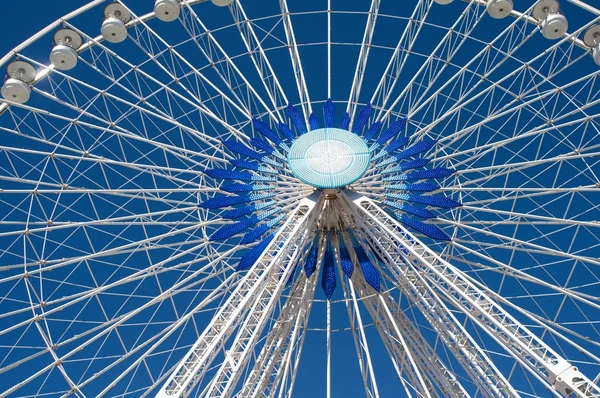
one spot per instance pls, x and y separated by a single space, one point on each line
258 290
449 282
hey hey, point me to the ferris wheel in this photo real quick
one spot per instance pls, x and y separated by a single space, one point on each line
316 198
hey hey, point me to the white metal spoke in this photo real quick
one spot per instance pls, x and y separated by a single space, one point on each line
526 346
296 60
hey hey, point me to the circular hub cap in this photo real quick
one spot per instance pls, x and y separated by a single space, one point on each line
329 158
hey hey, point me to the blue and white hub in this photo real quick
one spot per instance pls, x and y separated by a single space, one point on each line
282 162
329 158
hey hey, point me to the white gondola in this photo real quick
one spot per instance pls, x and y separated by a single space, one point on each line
167 10
499 9
592 40
553 23
443 2
64 53
114 28
17 87
222 3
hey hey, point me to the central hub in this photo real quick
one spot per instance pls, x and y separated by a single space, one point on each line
329 158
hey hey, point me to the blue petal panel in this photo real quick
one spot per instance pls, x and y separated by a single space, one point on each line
362 119
311 262
242 211
236 175
266 214
255 234
266 131
398 143
419 147
328 281
369 271
422 175
234 188
417 211
242 149
264 146
227 231
420 187
297 119
431 231
345 260
414 164
286 131
374 129
292 275
437 201
345 121
244 164
250 258
225 201
329 113
392 131
313 121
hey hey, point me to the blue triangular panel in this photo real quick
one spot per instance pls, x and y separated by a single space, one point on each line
392 131
287 132
242 149
345 121
297 119
431 231
414 164
328 282
419 147
437 201
420 187
244 164
227 231
225 201
250 258
417 211
266 131
422 175
255 233
398 143
329 113
242 211
264 146
362 119
374 129
369 271
235 188
235 175
313 121
311 262
346 261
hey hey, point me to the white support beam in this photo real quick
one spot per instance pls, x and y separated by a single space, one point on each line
403 358
296 61
358 331
259 57
451 332
231 314
224 382
426 359
363 58
292 319
523 345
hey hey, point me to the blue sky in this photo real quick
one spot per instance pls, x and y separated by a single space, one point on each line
20 22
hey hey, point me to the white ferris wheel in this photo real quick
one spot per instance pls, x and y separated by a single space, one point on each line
317 198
